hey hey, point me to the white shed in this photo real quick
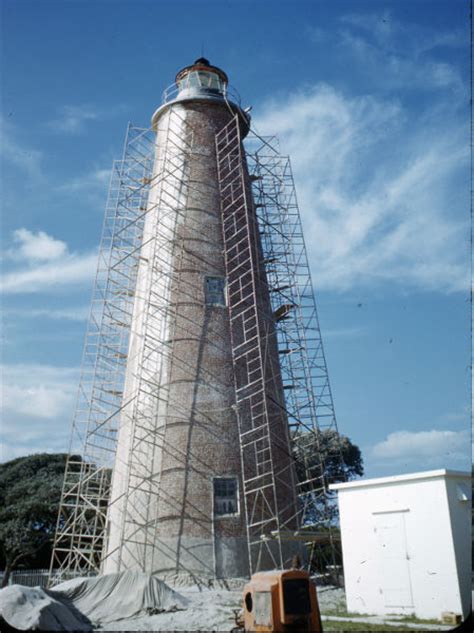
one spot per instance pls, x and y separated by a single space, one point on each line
406 543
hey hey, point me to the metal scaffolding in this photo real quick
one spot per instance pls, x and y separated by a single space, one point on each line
265 205
308 404
80 533
153 322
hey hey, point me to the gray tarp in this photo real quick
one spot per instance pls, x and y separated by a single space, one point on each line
119 596
101 599
32 609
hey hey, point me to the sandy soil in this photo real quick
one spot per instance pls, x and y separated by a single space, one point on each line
210 610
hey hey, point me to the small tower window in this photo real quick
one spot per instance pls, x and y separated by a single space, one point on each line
215 291
225 496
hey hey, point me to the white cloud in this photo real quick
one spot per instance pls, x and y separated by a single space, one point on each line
37 406
96 180
430 448
37 246
49 265
414 39
38 390
382 182
400 70
79 313
382 196
37 400
380 25
398 54
18 154
67 271
72 118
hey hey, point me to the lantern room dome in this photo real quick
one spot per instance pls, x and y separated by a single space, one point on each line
201 78
203 82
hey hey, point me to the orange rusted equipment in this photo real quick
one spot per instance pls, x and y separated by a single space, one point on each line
281 601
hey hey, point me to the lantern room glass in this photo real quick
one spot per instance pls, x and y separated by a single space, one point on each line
202 79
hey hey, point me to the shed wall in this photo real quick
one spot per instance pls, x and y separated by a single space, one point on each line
380 578
460 515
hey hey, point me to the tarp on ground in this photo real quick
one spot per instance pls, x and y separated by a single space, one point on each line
118 596
32 609
80 604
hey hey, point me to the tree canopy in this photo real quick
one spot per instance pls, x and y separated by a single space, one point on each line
30 493
341 458
326 457
330 458
330 453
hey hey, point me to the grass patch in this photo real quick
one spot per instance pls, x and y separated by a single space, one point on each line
345 614
411 618
334 625
342 613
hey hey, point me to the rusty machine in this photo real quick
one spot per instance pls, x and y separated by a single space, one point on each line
281 601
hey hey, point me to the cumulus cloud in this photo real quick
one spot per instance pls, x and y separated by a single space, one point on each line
39 401
46 264
42 391
37 404
382 172
435 448
383 198
37 246
71 270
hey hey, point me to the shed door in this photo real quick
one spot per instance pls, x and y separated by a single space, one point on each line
395 582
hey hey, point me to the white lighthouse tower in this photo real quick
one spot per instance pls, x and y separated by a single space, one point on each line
177 501
204 378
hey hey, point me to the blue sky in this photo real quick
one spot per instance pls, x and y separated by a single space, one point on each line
371 101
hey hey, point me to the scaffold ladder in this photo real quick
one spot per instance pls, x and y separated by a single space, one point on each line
255 377
271 209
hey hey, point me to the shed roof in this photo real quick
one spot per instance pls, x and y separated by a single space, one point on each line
383 481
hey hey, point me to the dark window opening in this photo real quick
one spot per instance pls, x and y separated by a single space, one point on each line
248 601
215 291
225 496
296 596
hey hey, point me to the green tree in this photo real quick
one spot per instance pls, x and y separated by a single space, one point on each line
327 452
30 493
325 457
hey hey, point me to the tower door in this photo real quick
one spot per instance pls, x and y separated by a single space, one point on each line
392 554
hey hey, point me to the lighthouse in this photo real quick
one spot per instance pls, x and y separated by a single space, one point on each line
204 389
177 501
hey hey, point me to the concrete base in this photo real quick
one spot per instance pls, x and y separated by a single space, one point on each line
193 557
203 559
226 557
